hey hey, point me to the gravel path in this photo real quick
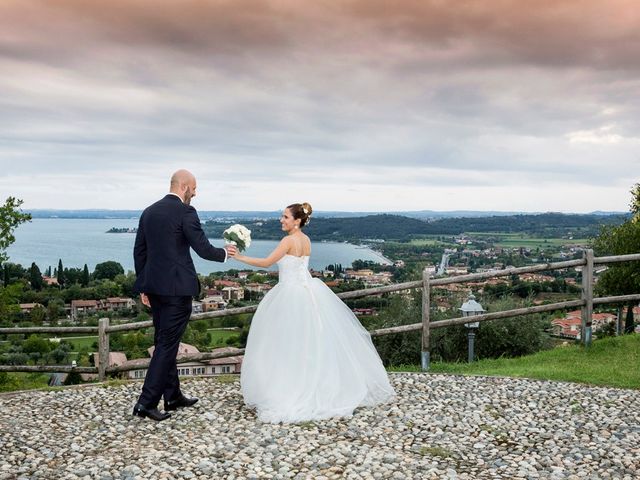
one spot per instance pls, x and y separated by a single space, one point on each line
440 427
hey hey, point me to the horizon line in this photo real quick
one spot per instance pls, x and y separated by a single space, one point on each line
536 212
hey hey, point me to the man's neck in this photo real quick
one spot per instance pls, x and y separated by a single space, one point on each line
173 193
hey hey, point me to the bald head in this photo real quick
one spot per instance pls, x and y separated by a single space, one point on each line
183 184
181 177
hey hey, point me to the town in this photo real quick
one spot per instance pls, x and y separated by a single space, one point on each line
73 297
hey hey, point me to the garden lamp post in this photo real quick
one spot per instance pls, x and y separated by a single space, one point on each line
471 308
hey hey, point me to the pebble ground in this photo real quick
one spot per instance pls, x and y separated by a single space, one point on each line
439 427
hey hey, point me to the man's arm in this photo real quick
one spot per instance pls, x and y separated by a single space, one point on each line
198 240
140 249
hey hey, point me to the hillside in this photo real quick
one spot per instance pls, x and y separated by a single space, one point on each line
396 227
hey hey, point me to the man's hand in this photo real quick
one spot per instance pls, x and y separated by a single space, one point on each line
145 300
232 250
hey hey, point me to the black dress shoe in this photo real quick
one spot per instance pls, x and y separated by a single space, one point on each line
179 402
152 413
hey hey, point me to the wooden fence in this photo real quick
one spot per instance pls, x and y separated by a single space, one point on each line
586 303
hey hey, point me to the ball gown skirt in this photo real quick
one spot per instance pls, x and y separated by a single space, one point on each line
307 356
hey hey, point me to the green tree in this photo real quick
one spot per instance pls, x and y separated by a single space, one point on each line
55 310
37 315
621 278
60 354
126 282
35 277
60 273
107 270
107 288
10 299
10 217
84 281
15 273
73 275
83 356
256 278
507 337
194 335
36 347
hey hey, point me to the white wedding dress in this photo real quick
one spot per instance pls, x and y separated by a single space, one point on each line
307 356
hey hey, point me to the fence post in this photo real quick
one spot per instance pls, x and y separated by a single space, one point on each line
620 321
426 292
103 348
587 296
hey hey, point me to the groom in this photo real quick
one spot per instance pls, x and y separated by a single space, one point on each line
166 280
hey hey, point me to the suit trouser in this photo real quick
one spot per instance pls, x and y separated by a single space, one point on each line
170 319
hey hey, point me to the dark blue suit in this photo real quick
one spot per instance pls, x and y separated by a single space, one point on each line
165 272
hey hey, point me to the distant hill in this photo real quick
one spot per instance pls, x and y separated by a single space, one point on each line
397 227
354 226
257 214
340 229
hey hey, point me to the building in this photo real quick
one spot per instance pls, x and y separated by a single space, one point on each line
50 280
214 302
261 288
86 307
220 284
358 274
115 359
233 293
456 270
536 277
196 306
28 307
225 365
210 292
216 366
83 307
117 303
571 324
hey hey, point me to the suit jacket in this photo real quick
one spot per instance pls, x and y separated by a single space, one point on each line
161 253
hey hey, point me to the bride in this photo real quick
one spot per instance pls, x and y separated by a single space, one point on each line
307 356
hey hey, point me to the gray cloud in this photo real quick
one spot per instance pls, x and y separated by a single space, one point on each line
370 95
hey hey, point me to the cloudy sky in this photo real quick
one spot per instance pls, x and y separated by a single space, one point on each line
355 105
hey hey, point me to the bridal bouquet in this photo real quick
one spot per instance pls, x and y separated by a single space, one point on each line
238 235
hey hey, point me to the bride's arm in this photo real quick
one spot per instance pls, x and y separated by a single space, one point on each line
279 252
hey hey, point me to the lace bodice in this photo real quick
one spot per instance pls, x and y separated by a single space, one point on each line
293 269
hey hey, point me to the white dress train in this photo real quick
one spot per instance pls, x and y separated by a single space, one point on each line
307 356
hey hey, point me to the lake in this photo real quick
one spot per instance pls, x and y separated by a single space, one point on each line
80 241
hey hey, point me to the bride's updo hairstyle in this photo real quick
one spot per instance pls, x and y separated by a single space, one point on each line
302 211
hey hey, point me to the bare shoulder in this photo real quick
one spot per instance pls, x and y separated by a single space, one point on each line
286 241
307 242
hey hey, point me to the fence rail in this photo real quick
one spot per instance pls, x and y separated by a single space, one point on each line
586 303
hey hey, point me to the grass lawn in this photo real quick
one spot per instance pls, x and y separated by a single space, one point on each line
219 337
422 242
540 242
513 240
612 362
13 381
79 342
